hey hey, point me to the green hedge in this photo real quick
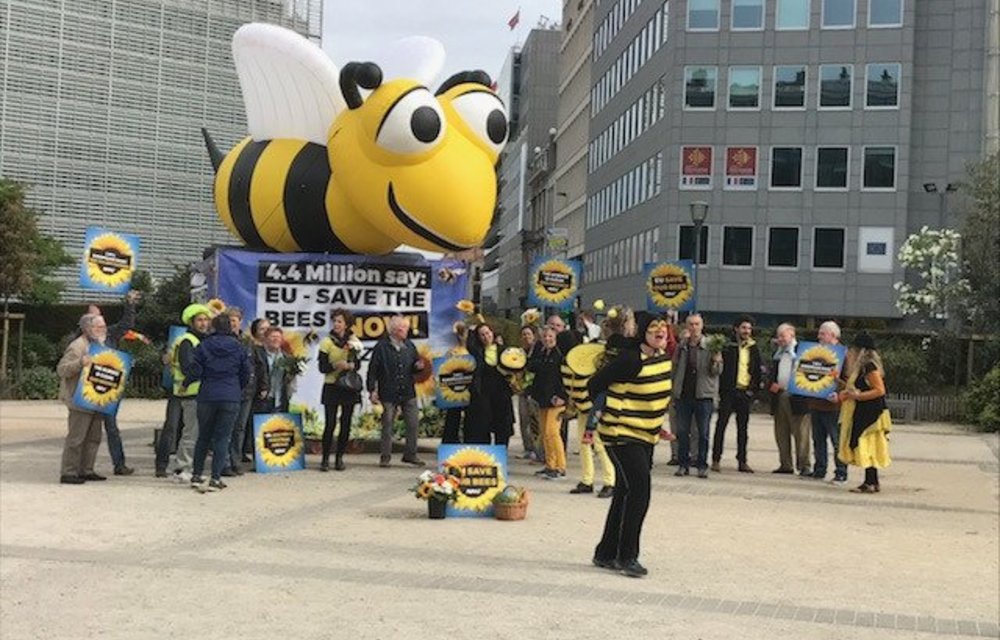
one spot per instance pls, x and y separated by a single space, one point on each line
981 402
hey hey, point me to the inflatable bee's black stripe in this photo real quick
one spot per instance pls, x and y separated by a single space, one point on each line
464 77
366 75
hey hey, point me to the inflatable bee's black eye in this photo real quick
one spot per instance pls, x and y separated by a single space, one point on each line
485 115
414 123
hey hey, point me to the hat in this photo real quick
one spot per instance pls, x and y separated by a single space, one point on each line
642 321
193 310
864 341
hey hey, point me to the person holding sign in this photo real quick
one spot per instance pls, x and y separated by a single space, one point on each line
491 410
222 368
824 415
637 383
864 418
84 436
338 362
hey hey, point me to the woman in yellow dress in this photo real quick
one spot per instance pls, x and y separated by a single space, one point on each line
864 418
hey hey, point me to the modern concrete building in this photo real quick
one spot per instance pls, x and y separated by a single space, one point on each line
528 84
101 108
820 133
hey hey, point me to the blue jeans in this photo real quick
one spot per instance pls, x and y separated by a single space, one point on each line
239 432
215 424
825 424
114 441
701 412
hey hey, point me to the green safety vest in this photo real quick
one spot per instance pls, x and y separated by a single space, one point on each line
175 367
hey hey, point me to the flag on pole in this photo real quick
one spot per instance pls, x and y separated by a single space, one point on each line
514 19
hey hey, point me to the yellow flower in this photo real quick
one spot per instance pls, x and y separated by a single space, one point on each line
465 306
424 491
217 306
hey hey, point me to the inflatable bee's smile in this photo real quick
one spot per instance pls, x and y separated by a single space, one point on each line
327 168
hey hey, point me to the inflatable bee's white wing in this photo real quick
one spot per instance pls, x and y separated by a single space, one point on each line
290 87
418 58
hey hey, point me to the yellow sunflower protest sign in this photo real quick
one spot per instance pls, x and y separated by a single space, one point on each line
102 382
278 442
481 470
453 378
669 285
109 260
816 369
554 282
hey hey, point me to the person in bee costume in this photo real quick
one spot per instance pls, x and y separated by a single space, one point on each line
864 417
490 411
359 159
638 384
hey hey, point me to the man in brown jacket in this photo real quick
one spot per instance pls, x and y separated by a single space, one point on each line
84 437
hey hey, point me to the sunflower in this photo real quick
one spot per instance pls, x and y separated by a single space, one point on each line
216 305
110 260
104 379
669 286
295 344
465 306
554 282
423 381
424 491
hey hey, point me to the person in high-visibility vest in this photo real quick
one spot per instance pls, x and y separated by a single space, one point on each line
197 317
637 383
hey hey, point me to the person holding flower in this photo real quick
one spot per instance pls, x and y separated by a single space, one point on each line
864 417
338 362
274 386
491 410
695 386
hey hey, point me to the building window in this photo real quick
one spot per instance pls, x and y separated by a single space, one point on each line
703 15
792 15
741 168
838 14
737 246
696 168
783 247
786 167
882 85
790 87
685 244
744 87
875 249
748 15
699 87
831 167
885 13
835 84
880 168
828 248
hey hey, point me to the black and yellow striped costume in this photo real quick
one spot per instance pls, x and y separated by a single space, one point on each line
634 409
576 387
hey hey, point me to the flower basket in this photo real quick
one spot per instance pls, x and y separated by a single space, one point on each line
516 510
437 509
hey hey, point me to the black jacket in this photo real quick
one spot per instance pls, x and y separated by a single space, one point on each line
390 372
548 377
730 367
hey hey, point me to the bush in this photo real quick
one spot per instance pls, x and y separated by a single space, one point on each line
981 403
39 351
37 383
906 369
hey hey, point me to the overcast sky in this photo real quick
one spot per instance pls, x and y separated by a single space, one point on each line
474 32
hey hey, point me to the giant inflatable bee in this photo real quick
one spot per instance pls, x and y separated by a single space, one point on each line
358 160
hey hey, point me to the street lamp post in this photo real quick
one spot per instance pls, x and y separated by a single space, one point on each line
699 211
942 194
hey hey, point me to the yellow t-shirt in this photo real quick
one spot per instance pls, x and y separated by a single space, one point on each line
743 367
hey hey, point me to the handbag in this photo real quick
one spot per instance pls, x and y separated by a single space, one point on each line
350 381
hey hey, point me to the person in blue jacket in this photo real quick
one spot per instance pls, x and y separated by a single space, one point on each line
221 365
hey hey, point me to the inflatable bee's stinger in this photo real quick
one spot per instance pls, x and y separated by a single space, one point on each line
358 160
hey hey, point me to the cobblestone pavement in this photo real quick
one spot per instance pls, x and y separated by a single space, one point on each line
352 555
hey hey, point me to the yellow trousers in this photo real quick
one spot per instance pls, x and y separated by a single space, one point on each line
555 454
587 456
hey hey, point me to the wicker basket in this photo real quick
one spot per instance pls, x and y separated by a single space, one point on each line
512 511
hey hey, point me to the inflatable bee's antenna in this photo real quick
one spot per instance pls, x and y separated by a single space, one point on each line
213 151
465 77
366 75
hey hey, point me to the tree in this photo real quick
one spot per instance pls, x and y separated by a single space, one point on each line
931 255
29 257
981 244
164 301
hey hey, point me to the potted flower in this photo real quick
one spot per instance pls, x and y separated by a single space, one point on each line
438 489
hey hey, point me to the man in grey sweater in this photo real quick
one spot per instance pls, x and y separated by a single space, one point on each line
695 386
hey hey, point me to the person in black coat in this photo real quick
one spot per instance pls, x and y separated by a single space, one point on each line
548 391
740 380
491 410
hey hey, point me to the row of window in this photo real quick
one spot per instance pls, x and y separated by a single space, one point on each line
832 168
835 87
875 254
792 15
641 49
639 116
608 29
635 187
622 258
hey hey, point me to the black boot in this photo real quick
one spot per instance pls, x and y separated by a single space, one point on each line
338 462
325 464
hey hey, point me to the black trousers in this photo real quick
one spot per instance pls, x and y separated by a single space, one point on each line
736 401
629 504
346 408
452 426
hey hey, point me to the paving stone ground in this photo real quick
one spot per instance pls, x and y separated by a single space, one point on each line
352 555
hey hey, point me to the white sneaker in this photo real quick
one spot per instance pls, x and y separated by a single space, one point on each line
182 477
838 481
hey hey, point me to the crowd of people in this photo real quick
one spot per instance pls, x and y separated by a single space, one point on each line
628 381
